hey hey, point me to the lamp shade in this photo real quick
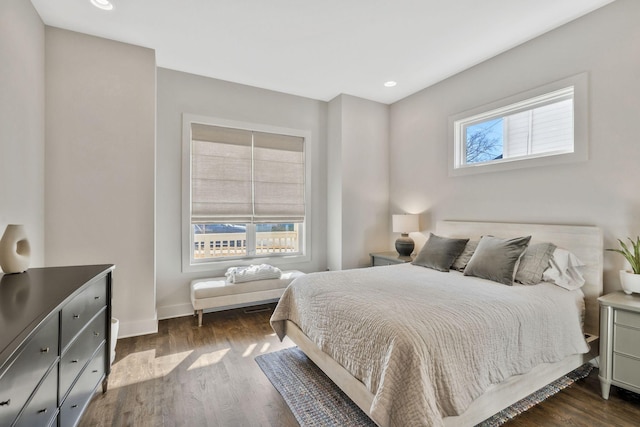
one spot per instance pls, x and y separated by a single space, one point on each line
405 223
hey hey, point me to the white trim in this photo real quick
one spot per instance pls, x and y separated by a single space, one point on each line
174 310
138 327
580 120
222 264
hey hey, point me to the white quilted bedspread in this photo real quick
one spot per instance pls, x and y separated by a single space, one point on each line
427 343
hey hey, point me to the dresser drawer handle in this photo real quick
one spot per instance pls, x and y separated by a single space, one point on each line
6 402
75 361
44 350
43 411
74 406
94 371
96 334
98 297
76 316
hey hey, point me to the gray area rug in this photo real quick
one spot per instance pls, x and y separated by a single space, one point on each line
316 401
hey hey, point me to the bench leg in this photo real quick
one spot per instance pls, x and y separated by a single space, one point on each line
199 317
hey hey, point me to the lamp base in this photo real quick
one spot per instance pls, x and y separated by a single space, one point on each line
404 245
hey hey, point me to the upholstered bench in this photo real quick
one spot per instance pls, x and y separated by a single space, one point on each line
217 292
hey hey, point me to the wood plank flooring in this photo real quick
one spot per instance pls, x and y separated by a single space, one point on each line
190 376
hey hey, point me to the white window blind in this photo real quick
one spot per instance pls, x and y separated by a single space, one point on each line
544 129
244 176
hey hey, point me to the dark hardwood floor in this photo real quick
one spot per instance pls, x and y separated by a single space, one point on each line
190 376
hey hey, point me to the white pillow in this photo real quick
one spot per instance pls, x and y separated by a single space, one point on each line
564 270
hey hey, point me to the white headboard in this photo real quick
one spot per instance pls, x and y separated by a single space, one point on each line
584 241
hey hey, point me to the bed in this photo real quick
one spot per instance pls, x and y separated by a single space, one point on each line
408 370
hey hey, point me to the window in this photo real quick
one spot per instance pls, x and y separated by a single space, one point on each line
244 192
524 130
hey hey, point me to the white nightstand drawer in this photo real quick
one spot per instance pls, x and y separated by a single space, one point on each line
627 318
626 340
626 369
619 342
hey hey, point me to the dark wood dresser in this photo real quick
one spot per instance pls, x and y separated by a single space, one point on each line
55 334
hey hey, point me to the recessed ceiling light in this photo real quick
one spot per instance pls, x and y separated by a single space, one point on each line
390 83
102 4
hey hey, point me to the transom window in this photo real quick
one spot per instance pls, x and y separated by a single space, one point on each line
246 193
543 126
552 122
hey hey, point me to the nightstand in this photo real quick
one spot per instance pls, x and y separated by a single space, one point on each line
388 258
619 342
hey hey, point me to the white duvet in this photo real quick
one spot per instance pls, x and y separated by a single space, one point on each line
427 343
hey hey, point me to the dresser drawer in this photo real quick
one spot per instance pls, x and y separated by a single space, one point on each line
626 370
83 389
627 318
77 356
43 406
81 309
626 340
21 378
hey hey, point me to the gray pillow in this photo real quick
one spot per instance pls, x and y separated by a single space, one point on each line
439 252
534 261
495 258
461 262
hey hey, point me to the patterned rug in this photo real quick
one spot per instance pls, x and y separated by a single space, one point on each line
316 401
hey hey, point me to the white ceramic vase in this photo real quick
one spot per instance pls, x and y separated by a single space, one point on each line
15 250
630 282
115 327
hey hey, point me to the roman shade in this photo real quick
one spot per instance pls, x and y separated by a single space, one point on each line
243 176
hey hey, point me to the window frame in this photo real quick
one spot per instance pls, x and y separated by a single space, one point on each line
457 123
188 264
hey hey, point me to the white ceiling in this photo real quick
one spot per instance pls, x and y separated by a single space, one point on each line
320 49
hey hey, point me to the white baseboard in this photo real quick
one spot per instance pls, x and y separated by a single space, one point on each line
138 327
175 310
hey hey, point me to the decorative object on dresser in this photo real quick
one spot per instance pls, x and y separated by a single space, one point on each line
15 250
405 224
630 280
388 258
54 350
619 342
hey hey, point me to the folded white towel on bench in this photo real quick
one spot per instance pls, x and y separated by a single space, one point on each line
252 272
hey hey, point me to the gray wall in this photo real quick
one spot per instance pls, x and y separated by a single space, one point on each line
22 76
101 160
100 166
180 93
358 177
334 184
602 191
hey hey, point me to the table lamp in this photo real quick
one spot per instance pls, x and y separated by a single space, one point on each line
405 224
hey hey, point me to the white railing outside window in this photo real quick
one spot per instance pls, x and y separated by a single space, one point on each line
215 245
